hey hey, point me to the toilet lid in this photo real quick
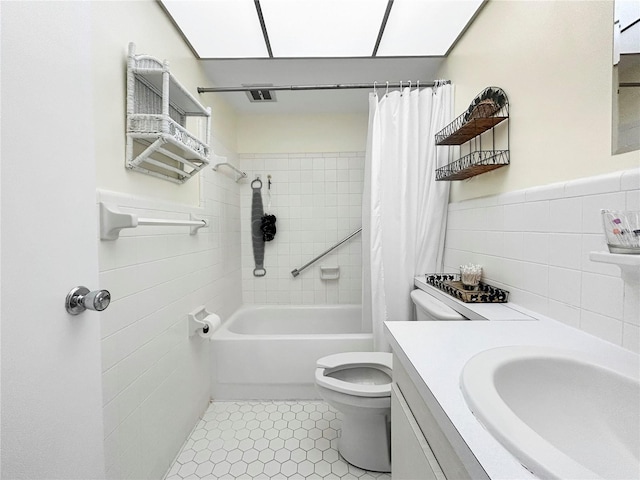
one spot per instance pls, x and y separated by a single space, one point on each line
342 361
434 307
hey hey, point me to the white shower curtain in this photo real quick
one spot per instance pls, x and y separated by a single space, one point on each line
404 210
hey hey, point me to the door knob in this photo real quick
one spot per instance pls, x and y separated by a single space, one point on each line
80 299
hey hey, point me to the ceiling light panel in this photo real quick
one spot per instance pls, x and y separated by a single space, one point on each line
425 27
322 28
219 28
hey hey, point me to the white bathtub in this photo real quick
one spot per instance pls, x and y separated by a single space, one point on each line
270 351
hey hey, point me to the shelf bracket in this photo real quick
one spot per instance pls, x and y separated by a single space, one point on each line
112 221
629 265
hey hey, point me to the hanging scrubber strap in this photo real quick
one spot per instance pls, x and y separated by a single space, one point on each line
256 233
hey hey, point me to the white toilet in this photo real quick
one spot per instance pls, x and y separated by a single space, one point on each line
358 384
430 308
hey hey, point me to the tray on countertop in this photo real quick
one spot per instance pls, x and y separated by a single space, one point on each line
451 284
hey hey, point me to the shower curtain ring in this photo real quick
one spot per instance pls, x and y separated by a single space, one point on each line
409 85
375 88
387 92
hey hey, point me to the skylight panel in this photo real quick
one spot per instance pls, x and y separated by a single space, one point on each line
323 28
220 28
425 27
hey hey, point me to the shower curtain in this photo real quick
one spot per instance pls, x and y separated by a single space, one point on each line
404 210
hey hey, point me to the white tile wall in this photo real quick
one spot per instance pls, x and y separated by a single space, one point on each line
317 201
536 244
156 378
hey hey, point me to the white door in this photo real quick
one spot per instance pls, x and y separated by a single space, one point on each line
51 407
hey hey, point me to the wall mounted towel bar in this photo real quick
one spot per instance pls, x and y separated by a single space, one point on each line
296 271
112 221
240 174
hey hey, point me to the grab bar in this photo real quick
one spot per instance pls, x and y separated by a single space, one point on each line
296 271
112 221
240 174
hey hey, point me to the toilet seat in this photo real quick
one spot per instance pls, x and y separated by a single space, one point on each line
343 361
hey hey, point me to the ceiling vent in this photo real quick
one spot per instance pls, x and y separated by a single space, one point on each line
260 93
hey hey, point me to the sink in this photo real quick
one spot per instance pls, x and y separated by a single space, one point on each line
558 412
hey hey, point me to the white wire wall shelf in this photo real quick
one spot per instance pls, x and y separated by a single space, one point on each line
487 110
161 119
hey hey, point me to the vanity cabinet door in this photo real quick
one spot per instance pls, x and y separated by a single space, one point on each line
411 456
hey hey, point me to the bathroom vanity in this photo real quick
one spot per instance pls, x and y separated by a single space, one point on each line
420 456
434 433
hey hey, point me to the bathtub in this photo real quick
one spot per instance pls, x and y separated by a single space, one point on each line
269 352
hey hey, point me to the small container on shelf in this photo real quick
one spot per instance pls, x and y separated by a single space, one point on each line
470 276
622 230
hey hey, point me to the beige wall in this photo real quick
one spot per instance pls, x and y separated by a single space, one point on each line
553 59
302 133
114 25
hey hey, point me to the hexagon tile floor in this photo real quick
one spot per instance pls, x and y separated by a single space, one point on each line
264 440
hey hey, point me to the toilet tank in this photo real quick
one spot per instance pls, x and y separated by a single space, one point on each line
430 308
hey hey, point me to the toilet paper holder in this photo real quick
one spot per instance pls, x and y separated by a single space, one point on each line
197 322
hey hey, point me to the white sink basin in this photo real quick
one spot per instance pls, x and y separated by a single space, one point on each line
558 413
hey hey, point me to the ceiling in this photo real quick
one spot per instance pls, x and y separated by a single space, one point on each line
311 42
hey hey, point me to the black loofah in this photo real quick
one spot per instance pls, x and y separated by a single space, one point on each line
268 227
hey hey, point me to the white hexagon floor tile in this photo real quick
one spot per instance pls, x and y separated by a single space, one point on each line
266 440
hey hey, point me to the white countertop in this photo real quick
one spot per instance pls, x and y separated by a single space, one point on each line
434 354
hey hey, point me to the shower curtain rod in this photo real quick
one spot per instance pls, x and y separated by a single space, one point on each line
335 86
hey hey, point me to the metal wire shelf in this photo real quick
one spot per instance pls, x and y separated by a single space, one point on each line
457 135
488 109
473 164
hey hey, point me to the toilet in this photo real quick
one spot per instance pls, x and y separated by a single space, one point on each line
429 308
358 384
